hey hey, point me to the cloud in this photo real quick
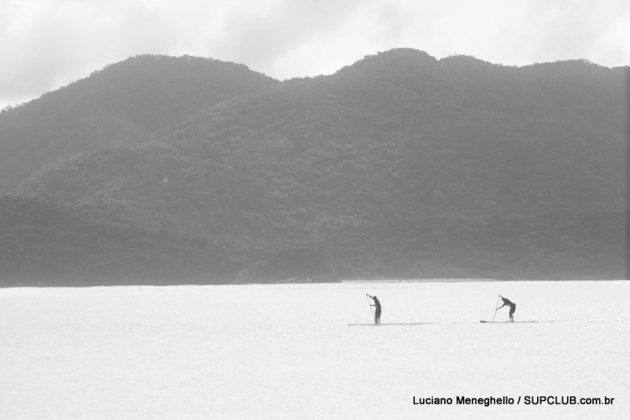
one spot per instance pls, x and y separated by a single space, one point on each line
48 43
262 40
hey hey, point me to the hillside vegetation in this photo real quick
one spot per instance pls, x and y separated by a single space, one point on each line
399 165
46 245
121 105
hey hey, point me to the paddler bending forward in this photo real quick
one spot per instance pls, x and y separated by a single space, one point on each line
512 305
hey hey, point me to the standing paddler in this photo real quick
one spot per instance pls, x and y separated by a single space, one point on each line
377 310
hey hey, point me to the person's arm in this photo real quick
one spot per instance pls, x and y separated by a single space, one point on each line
500 306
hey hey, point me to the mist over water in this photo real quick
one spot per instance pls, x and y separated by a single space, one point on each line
286 351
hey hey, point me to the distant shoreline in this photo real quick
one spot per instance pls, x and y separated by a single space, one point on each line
462 280
344 281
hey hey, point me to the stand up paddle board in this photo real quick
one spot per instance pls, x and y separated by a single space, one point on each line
515 322
387 324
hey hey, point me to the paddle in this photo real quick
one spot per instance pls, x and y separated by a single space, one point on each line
496 308
369 304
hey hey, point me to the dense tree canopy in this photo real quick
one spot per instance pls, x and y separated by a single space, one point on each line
400 165
44 244
123 104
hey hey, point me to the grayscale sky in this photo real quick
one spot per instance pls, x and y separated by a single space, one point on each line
45 44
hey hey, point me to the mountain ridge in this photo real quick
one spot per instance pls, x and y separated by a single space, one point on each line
422 168
122 104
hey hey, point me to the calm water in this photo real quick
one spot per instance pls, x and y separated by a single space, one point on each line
286 351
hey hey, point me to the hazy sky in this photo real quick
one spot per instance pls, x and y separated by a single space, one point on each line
45 44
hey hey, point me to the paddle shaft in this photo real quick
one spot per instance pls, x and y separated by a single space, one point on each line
370 304
496 307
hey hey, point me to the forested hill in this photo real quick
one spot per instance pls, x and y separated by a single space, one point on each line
399 165
47 245
120 105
